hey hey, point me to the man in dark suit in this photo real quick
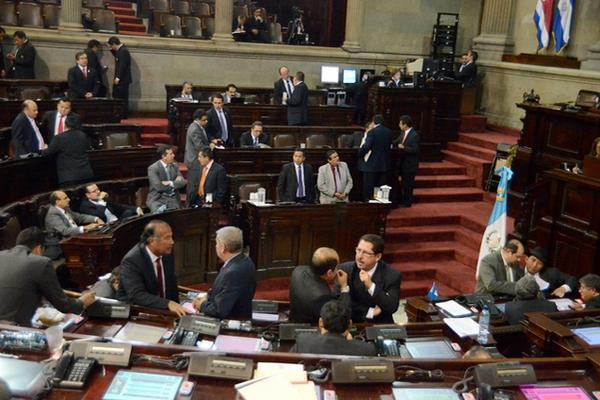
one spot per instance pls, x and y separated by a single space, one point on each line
335 338
589 289
219 128
374 156
309 286
283 85
83 80
122 78
296 182
550 279
93 48
53 122
408 142
3 73
467 72
70 149
396 80
232 292
255 137
148 271
498 271
213 181
27 277
297 103
26 136
97 203
258 29
527 299
374 285
196 139
24 60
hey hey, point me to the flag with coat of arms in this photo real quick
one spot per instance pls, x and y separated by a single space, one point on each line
542 16
561 28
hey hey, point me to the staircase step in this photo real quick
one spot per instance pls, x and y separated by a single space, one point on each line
119 4
129 19
155 138
507 131
458 276
476 167
437 181
127 27
122 10
416 270
426 233
439 195
488 140
133 33
420 251
472 123
473 151
444 168
468 237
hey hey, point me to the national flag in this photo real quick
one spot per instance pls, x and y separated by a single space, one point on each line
494 236
561 27
542 16
432 295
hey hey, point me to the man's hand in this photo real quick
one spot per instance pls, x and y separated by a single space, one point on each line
197 302
342 278
376 311
401 146
89 95
45 146
559 292
139 211
179 178
11 56
365 279
87 299
99 222
348 335
166 183
176 308
2 74
103 195
255 31
116 81
577 305
90 227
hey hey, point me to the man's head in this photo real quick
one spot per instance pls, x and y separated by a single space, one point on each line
335 318
526 288
64 105
536 260
59 199
33 238
472 55
114 43
231 90
187 88
299 77
229 242
30 108
589 287
93 45
477 353
201 117
333 158
81 59
166 154
284 72
324 263
396 75
92 192
368 251
298 156
158 236
512 251
19 37
205 156
258 13
217 102
256 129
72 121
405 122
377 119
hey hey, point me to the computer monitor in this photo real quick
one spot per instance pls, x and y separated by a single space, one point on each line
349 76
330 74
437 348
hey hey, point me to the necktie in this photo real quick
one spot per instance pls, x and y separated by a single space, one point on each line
366 156
255 142
70 219
300 191
167 172
202 182
61 126
223 123
404 136
509 274
84 70
335 184
159 279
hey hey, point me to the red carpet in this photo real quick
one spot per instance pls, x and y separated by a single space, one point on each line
129 24
156 130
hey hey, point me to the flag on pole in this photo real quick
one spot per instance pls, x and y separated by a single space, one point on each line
432 295
561 27
494 236
542 17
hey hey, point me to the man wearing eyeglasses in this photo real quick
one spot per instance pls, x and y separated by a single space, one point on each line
374 285
589 289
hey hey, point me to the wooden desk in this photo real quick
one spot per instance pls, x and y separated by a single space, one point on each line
100 135
13 89
282 237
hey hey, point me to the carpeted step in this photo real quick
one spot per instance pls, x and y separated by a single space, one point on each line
473 151
148 139
129 19
151 125
458 276
128 27
416 270
468 237
505 130
476 167
437 181
419 251
122 10
119 4
453 194
488 140
425 233
133 33
442 168
472 123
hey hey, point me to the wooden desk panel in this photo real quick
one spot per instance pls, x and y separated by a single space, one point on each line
12 88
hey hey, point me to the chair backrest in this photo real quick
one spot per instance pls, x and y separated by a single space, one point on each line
245 189
278 33
209 26
192 27
104 20
8 16
115 140
170 25
42 211
317 141
30 15
9 233
201 9
143 10
34 93
51 15
140 196
160 5
240 10
284 140
343 141
181 7
94 4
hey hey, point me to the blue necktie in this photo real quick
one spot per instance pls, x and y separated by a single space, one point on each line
300 191
223 123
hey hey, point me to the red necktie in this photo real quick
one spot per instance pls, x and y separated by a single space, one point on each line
334 178
84 70
159 279
61 126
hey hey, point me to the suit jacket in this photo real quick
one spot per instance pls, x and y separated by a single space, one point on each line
355 140
47 128
216 183
279 90
123 65
387 292
231 294
515 310
593 303
326 183
23 136
409 162
392 84
138 279
25 279
467 75
492 276
213 128
287 183
332 344
2 62
378 142
56 222
196 140
94 63
297 105
72 162
160 194
557 278
97 210
80 85
23 67
247 140
308 293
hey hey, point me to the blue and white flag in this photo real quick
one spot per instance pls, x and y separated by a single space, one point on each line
561 28
432 295
542 16
494 236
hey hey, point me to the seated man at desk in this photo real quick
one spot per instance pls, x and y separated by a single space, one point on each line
230 92
232 292
499 270
255 137
27 276
374 285
296 180
61 220
97 203
550 280
335 338
165 180
589 289
186 91
334 180
148 271
211 185
309 286
527 299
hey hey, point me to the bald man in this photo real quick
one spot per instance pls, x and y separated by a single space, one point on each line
310 286
26 136
62 221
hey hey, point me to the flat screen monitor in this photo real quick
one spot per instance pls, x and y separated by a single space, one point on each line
590 335
330 74
133 385
430 349
349 76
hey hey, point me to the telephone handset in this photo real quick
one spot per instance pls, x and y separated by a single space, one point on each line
72 372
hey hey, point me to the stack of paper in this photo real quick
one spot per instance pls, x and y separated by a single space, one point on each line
563 304
295 373
463 326
453 309
276 387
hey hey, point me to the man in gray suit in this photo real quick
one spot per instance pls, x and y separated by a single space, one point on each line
499 271
27 276
165 181
334 180
196 140
64 222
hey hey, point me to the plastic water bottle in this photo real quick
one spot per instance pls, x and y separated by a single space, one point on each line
26 340
484 325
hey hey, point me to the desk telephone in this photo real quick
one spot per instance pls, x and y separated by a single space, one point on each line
190 328
72 372
391 348
504 374
109 310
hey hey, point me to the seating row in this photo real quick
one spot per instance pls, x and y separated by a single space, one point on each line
30 14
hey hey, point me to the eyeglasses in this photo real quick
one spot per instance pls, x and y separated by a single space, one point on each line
363 253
